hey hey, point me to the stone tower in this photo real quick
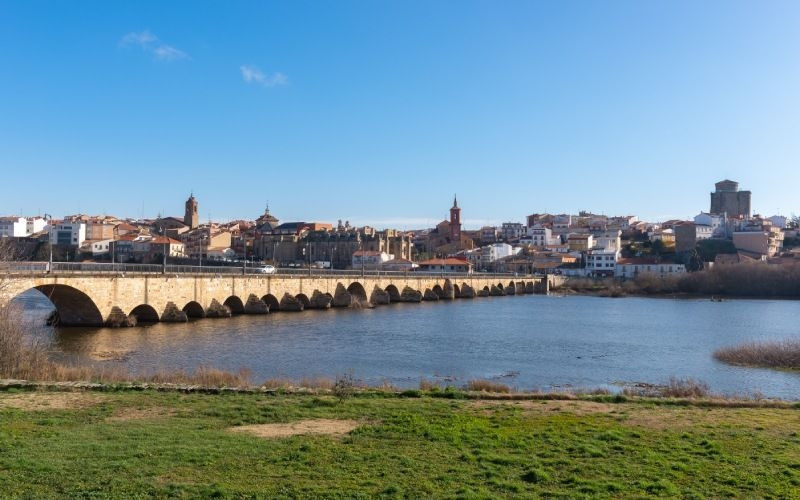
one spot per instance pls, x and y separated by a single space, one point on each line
455 222
190 217
727 199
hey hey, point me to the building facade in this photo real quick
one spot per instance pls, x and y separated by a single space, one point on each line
68 234
631 268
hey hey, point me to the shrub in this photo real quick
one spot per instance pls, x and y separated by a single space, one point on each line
487 386
771 354
22 355
345 386
428 385
685 388
317 383
675 388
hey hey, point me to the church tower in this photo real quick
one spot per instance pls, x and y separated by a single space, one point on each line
190 217
455 222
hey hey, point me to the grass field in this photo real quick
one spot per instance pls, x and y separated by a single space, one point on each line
170 444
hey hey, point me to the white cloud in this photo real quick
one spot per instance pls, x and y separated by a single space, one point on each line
142 39
168 53
151 43
251 74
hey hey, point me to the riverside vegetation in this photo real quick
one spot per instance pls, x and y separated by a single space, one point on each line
740 280
784 354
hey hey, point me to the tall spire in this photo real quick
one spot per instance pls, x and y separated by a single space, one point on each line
455 202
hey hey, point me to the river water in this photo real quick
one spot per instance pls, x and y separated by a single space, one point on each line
527 342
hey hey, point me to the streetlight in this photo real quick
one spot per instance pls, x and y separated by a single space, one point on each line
244 266
362 258
200 240
49 219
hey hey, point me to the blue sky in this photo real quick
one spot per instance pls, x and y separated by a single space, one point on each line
378 112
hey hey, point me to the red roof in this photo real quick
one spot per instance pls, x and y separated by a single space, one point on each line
163 240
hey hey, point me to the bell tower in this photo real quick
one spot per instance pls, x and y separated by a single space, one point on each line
455 222
190 217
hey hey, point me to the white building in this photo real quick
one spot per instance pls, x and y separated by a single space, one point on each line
609 241
100 247
370 259
68 233
631 268
539 236
601 262
491 253
219 253
35 225
19 227
13 227
778 221
717 222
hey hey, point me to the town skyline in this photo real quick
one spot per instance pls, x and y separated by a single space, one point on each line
400 223
380 113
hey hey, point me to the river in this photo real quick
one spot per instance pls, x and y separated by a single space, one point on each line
527 342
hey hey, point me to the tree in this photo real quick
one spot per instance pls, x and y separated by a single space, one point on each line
657 248
694 262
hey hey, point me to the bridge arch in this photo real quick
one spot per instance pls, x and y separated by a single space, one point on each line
145 313
74 308
438 291
394 294
357 290
235 304
303 298
194 310
457 290
272 302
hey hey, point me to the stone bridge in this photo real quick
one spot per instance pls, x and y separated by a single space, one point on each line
127 299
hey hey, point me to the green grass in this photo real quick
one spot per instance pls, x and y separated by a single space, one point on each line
407 447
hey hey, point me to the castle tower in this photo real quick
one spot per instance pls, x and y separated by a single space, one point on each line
727 199
190 218
455 222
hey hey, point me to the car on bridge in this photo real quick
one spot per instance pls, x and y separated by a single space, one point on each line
268 269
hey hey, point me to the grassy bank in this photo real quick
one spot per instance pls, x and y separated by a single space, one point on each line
125 444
